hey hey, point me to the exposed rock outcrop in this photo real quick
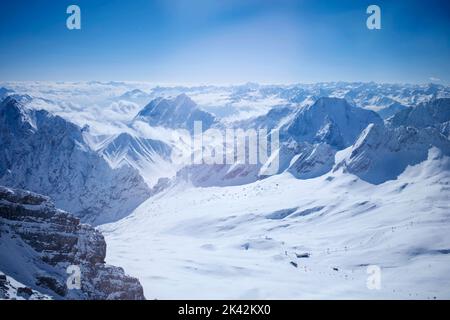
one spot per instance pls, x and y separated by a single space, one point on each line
39 242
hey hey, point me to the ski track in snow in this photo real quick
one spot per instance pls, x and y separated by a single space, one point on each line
238 242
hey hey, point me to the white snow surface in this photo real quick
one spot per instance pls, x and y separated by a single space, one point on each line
349 194
11 291
238 242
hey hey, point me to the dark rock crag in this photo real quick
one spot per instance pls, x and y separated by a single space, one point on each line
38 242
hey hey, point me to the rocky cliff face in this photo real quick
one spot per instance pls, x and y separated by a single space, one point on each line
38 243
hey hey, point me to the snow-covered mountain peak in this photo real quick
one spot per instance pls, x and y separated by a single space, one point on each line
5 92
331 104
45 153
152 158
22 121
330 120
176 113
429 114
181 103
134 94
382 153
12 110
184 101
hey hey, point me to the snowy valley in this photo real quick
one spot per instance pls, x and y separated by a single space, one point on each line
363 180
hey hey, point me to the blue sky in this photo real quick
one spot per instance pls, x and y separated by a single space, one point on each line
225 41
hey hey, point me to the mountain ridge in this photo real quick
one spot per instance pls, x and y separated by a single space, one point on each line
47 154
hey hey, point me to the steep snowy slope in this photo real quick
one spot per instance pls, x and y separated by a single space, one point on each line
39 242
136 96
391 110
318 131
382 153
369 195
430 114
309 138
4 92
11 289
152 158
288 238
47 154
273 119
330 120
312 161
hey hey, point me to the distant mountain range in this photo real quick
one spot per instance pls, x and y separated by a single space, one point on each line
48 154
